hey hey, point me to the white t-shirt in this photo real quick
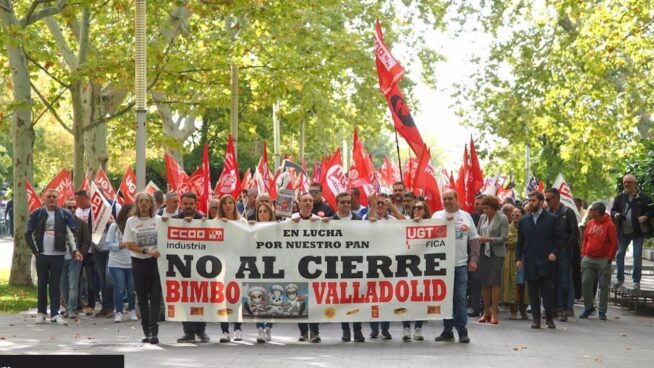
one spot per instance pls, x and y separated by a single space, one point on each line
143 232
465 230
49 236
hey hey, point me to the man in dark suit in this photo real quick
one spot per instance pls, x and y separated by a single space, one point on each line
540 239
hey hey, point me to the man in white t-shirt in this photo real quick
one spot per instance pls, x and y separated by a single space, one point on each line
466 234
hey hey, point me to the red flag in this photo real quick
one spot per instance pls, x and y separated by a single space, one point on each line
426 181
315 174
334 181
388 173
229 181
151 188
474 178
362 172
388 68
273 187
247 178
452 184
461 181
203 206
175 174
409 173
102 181
63 184
195 184
264 171
403 120
541 186
128 186
323 166
33 200
85 184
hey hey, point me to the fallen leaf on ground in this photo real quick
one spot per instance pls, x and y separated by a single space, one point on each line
2 337
627 348
76 336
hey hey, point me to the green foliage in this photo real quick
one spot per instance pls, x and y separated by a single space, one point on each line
15 299
641 164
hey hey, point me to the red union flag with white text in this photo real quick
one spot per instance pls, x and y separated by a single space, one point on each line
229 182
33 200
63 184
388 68
101 212
102 181
128 186
334 181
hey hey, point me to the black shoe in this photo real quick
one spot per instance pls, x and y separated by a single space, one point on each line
374 334
464 339
203 336
154 340
563 315
536 324
550 323
386 335
358 336
346 336
188 337
147 334
146 339
303 338
445 336
315 338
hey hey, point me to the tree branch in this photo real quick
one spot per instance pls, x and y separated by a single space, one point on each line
45 12
51 108
46 71
62 44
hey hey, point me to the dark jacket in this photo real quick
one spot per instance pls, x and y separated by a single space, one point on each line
82 235
570 228
354 217
36 228
639 207
180 215
323 207
536 242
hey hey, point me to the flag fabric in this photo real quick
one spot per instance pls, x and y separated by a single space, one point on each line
452 182
388 68
461 181
315 174
409 173
85 184
334 180
33 200
102 181
203 206
474 178
101 212
532 184
128 186
196 185
175 174
229 181
388 174
246 182
541 186
426 181
63 184
264 179
504 194
566 195
151 188
491 186
403 121
362 172
302 183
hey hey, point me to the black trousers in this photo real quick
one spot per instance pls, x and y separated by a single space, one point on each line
48 270
194 327
148 292
224 326
87 280
356 326
543 287
305 327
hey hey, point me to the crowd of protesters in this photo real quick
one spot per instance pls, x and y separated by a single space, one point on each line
533 253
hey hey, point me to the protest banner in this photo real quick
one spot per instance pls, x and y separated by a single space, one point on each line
311 271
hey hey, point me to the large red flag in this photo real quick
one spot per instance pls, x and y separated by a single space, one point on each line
409 173
128 186
334 180
426 181
102 181
33 200
196 185
461 181
203 206
85 184
388 68
229 181
175 174
63 184
247 178
362 172
474 178
264 171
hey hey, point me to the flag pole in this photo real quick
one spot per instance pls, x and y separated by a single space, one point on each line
399 162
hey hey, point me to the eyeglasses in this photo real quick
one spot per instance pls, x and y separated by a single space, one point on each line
314 191
345 202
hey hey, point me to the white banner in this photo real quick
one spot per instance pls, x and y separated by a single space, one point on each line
339 271
101 212
566 195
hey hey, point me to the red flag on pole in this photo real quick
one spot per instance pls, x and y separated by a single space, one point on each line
334 181
461 181
264 171
33 200
203 206
474 178
229 181
362 172
102 181
151 188
388 68
128 186
85 184
426 181
175 174
247 177
63 184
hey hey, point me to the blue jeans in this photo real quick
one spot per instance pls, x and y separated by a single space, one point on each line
374 326
101 260
123 283
70 284
624 241
564 280
459 312
416 324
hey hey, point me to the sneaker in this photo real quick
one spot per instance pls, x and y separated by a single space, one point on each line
315 338
636 286
417 335
132 315
238 335
268 334
358 336
88 310
203 336
40 319
118 317
303 338
406 334
58 320
374 334
463 336
386 335
550 323
225 337
588 311
346 337
154 340
445 336
602 315
188 337
261 337
617 284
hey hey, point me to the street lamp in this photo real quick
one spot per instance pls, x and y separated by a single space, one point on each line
141 90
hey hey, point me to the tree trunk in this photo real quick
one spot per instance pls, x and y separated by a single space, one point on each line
95 135
78 133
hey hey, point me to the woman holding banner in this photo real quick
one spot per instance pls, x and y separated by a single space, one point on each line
140 237
227 212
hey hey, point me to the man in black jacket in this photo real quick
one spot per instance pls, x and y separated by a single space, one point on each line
50 235
564 293
630 213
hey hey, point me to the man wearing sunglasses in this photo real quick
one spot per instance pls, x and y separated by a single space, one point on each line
320 207
50 235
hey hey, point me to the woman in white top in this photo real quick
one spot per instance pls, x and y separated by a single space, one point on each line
227 212
120 265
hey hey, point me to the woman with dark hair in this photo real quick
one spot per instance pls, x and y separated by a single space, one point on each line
227 212
140 237
493 229
120 265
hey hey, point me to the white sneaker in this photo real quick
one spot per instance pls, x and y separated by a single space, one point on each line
40 319
132 315
268 334
406 335
118 317
225 337
238 335
417 335
59 320
261 338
